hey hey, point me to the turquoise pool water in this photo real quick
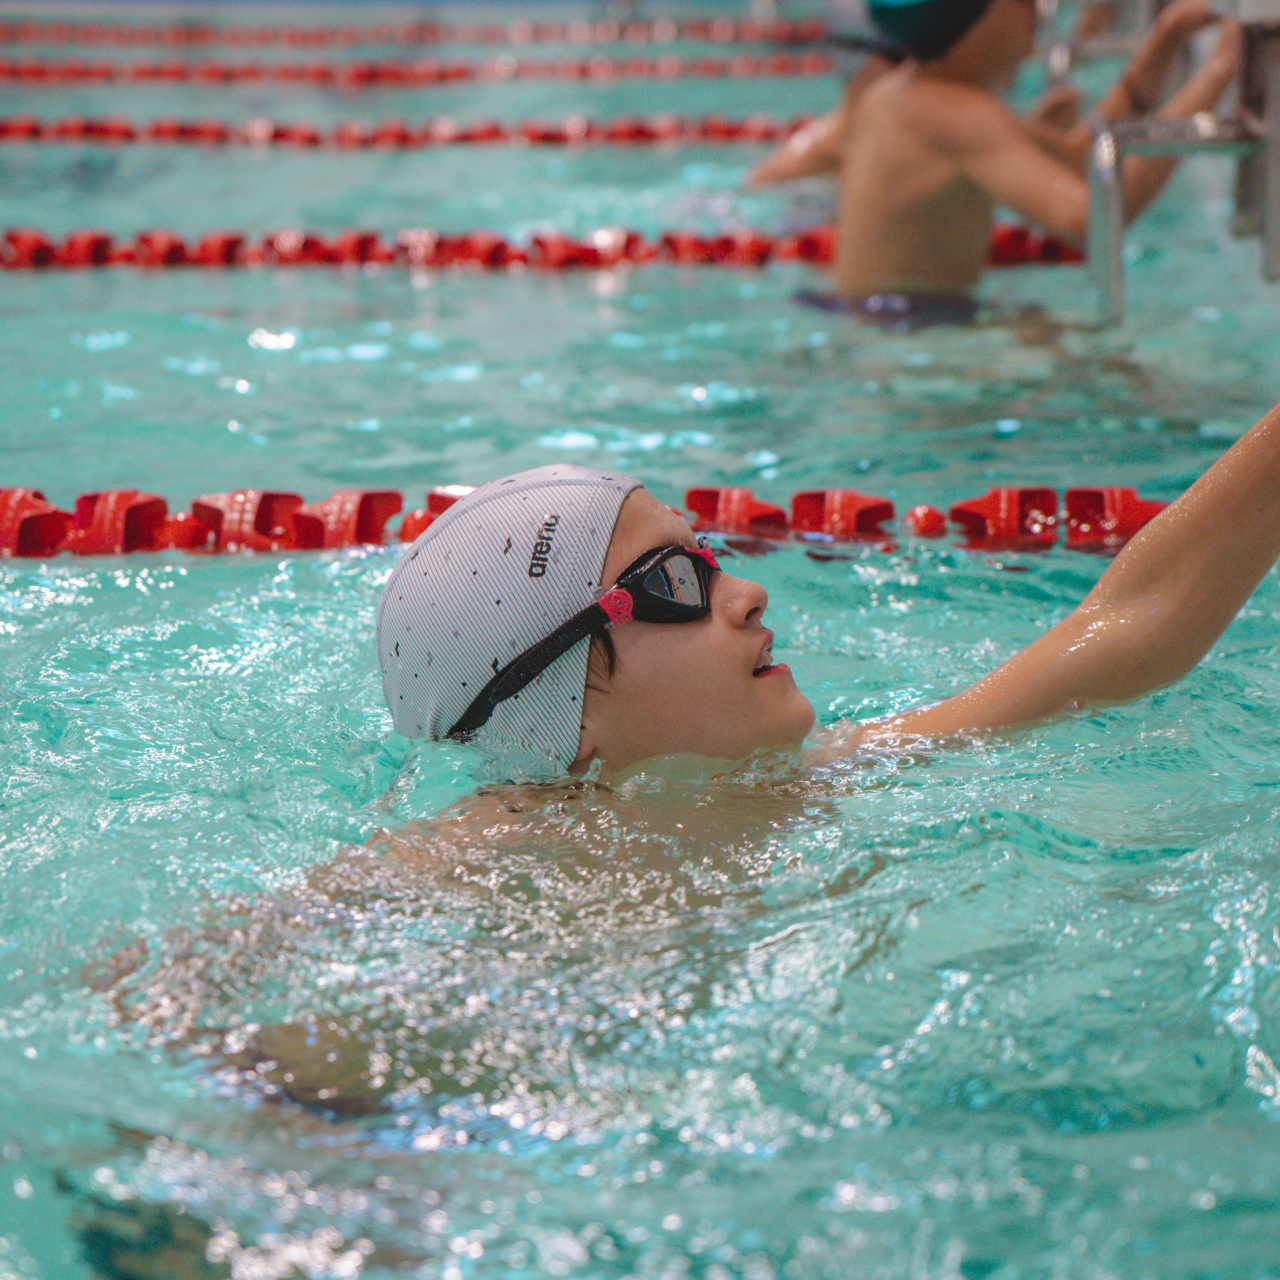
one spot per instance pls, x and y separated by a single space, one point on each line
1007 1012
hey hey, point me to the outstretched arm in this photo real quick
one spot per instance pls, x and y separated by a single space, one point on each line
1153 615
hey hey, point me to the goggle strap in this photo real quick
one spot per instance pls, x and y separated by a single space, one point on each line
614 608
522 670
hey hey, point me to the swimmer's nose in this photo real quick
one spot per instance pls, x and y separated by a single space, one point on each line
739 600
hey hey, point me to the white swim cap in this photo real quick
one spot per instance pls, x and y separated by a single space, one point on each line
497 572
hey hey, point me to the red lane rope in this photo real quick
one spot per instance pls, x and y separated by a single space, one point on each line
24 248
440 131
120 521
204 35
391 73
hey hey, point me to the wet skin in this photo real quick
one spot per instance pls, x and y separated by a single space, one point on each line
689 688
932 150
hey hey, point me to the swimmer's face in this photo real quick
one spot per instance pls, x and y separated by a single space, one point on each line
1016 22
687 687
1001 40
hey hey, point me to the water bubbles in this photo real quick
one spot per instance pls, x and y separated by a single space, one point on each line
196 366
265 340
454 373
569 440
367 351
720 396
106 340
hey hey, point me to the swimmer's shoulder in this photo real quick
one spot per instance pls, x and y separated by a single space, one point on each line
947 116
489 819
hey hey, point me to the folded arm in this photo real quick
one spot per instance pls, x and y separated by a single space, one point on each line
1139 89
1154 614
997 151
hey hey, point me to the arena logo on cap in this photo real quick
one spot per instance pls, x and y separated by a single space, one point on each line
542 548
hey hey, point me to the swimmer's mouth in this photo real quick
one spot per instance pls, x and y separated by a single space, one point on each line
764 663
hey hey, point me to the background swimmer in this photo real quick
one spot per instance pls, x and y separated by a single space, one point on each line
818 149
933 149
633 690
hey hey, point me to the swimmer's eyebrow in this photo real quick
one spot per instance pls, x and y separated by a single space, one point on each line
690 541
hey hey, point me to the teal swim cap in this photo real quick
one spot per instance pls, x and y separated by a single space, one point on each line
925 28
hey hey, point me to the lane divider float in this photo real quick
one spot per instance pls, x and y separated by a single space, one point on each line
399 134
400 74
197 34
23 248
124 521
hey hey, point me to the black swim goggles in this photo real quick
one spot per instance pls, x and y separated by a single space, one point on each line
667 584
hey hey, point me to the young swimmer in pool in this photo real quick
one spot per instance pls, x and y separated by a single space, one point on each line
563 620
932 150
818 148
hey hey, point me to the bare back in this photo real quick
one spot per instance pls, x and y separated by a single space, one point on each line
910 217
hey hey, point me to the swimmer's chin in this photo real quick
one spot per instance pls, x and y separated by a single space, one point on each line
686 766
688 770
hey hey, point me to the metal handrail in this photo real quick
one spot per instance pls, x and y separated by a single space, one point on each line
1156 136
1105 243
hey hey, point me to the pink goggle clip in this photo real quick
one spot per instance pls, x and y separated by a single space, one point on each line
617 604
707 554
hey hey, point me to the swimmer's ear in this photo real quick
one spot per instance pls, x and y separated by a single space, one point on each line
588 738
602 662
586 755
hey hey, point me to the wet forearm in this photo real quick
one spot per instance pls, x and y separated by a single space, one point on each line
1200 559
1144 176
1154 614
1137 92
